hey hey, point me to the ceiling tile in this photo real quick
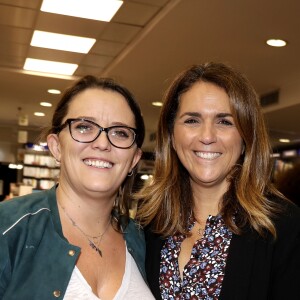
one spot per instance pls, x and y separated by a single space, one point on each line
55 55
15 35
69 25
14 49
135 13
119 32
9 61
96 60
35 4
107 48
153 2
18 17
88 70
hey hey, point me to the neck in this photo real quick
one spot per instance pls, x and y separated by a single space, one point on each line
87 212
207 201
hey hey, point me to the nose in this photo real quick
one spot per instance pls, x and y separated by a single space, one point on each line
207 133
101 141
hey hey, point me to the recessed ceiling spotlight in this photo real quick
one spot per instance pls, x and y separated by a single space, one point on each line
39 114
276 43
284 140
46 104
157 103
54 91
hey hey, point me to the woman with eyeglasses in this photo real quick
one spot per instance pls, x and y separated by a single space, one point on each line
76 240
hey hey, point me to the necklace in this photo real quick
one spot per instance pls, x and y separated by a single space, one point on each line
94 241
201 229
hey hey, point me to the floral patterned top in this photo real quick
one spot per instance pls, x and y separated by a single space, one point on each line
203 274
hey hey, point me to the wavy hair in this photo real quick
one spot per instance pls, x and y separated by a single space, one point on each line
167 201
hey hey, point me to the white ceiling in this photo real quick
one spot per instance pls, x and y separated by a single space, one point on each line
146 44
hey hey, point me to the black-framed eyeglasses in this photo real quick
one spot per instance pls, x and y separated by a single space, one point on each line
86 131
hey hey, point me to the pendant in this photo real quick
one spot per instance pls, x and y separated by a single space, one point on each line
201 231
93 246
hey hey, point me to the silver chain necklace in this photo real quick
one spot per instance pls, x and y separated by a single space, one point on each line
94 241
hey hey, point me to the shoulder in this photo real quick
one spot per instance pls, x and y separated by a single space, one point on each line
15 210
288 216
134 229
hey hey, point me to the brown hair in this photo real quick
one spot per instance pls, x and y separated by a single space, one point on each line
167 202
121 210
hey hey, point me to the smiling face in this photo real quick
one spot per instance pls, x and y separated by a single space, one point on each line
205 137
96 167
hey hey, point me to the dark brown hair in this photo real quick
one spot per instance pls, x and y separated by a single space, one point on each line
121 210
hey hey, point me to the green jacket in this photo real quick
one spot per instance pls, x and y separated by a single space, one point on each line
36 261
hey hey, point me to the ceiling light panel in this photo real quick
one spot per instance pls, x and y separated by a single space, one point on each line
47 66
63 42
100 10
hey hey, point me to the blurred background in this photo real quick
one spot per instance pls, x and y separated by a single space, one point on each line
143 45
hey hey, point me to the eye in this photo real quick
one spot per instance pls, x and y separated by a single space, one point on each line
83 127
120 133
225 122
191 121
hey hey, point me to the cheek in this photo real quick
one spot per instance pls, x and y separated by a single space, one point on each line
182 139
237 147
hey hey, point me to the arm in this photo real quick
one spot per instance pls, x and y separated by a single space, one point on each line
286 260
5 268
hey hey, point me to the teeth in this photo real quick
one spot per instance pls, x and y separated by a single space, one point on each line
208 155
98 163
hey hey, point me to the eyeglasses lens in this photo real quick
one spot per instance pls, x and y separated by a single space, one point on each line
85 131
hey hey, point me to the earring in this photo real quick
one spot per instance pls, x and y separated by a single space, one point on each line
130 173
243 150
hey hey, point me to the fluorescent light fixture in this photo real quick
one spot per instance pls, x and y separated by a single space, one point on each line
48 66
276 43
46 104
289 153
54 91
15 166
144 177
284 140
63 42
100 10
157 103
39 114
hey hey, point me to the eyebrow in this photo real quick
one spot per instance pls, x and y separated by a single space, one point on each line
198 115
95 121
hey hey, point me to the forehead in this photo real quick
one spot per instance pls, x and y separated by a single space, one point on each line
205 95
100 103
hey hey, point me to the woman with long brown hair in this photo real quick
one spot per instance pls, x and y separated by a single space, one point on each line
216 228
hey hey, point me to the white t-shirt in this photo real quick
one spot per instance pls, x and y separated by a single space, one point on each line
133 286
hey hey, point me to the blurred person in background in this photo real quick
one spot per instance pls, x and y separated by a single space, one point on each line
216 227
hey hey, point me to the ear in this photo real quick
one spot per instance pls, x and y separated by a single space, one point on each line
54 146
136 158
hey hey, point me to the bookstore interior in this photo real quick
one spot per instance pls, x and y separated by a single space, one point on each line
32 167
143 43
